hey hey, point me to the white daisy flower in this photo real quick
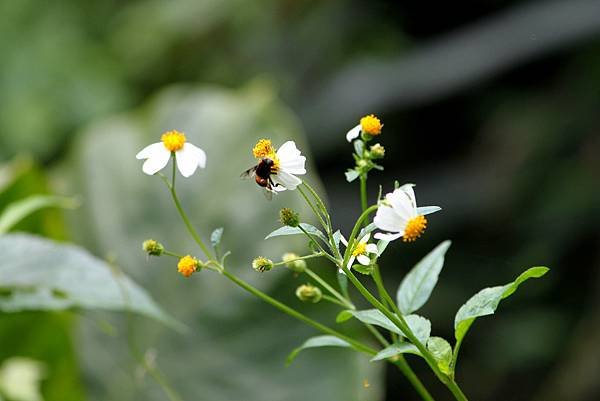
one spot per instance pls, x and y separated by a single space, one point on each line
287 163
361 251
368 124
188 156
400 216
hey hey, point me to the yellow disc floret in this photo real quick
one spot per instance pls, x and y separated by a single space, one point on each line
187 265
360 249
414 228
173 140
371 125
264 149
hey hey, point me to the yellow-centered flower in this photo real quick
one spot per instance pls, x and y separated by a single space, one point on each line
187 265
370 125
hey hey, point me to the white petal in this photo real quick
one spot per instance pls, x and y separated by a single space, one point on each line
291 159
387 219
344 241
286 179
353 133
425 210
341 271
350 262
364 260
372 248
188 159
200 154
157 160
401 203
388 237
150 150
410 192
365 237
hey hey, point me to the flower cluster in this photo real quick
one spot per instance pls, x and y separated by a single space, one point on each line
365 154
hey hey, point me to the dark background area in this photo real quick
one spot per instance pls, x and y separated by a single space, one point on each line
491 107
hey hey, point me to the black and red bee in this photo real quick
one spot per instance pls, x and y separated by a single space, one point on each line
262 175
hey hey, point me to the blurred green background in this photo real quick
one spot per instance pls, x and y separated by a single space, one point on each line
491 107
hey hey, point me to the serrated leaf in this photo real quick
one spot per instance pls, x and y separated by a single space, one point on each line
417 285
382 246
395 349
286 230
337 238
40 274
215 237
343 316
442 352
315 342
351 175
366 230
420 327
20 209
486 301
375 317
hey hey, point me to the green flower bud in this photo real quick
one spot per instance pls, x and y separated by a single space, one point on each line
309 293
289 218
152 247
377 151
362 163
261 264
292 262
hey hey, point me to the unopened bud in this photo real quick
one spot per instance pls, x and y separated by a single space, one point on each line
362 163
377 151
152 247
293 263
309 293
261 264
288 217
188 265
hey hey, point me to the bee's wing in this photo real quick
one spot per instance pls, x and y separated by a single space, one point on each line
268 193
249 173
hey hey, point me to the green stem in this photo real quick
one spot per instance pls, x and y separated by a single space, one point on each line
329 288
184 217
314 255
314 240
357 345
363 192
334 300
413 378
314 209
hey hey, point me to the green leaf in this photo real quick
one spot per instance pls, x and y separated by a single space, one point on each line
364 231
417 285
486 301
442 352
420 327
286 230
382 246
20 209
215 237
316 342
396 349
343 316
375 317
337 238
351 175
39 274
359 147
362 269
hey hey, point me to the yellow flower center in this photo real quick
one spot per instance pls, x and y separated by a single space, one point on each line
414 228
264 149
173 140
360 249
371 125
187 265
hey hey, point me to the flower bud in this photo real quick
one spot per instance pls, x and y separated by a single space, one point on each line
309 293
362 163
188 265
261 264
377 151
293 263
152 247
288 217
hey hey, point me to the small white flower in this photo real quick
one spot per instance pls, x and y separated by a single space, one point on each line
368 124
400 217
361 251
188 156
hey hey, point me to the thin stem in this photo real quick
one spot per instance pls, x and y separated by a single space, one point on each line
363 192
314 240
329 288
169 253
184 217
334 300
314 255
383 294
292 312
314 209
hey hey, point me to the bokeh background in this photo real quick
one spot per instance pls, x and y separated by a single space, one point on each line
491 107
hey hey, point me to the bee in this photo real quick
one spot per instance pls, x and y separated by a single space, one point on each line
262 175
